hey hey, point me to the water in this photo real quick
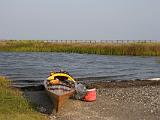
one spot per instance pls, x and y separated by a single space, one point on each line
31 68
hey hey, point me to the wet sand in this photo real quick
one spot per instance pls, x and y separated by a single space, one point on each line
122 100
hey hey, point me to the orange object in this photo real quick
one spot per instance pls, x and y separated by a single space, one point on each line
55 82
90 95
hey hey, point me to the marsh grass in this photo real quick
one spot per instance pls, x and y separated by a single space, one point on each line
133 49
13 106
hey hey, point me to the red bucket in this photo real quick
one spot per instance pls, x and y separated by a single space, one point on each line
90 95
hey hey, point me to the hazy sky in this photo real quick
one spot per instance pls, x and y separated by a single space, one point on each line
80 19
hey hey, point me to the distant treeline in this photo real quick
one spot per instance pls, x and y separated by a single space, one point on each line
106 48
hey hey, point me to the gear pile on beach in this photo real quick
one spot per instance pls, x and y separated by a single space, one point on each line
63 81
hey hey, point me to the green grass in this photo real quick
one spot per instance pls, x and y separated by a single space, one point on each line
133 49
13 106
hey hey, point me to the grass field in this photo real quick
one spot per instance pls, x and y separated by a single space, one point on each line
13 106
133 49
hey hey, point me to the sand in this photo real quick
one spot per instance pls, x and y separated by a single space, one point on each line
125 100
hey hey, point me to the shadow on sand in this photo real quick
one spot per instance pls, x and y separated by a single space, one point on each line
39 98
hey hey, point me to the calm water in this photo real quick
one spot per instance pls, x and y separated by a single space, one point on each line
33 68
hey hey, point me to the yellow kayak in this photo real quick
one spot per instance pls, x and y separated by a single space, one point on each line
60 87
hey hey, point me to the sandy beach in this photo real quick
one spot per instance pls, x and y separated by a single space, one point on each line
122 100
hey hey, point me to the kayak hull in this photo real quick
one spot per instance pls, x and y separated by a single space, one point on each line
59 96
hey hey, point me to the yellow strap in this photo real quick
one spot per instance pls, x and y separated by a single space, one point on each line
60 74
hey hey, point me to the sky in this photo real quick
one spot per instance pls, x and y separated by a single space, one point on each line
80 19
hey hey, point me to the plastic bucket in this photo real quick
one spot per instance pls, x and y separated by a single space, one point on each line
90 95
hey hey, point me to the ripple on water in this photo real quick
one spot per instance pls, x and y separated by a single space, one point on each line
25 67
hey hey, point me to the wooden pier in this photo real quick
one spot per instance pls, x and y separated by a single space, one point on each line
93 41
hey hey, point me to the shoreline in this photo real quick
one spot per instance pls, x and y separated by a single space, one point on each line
98 85
122 100
125 83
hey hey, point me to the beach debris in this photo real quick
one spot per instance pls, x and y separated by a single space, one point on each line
90 95
81 91
52 117
84 93
42 109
